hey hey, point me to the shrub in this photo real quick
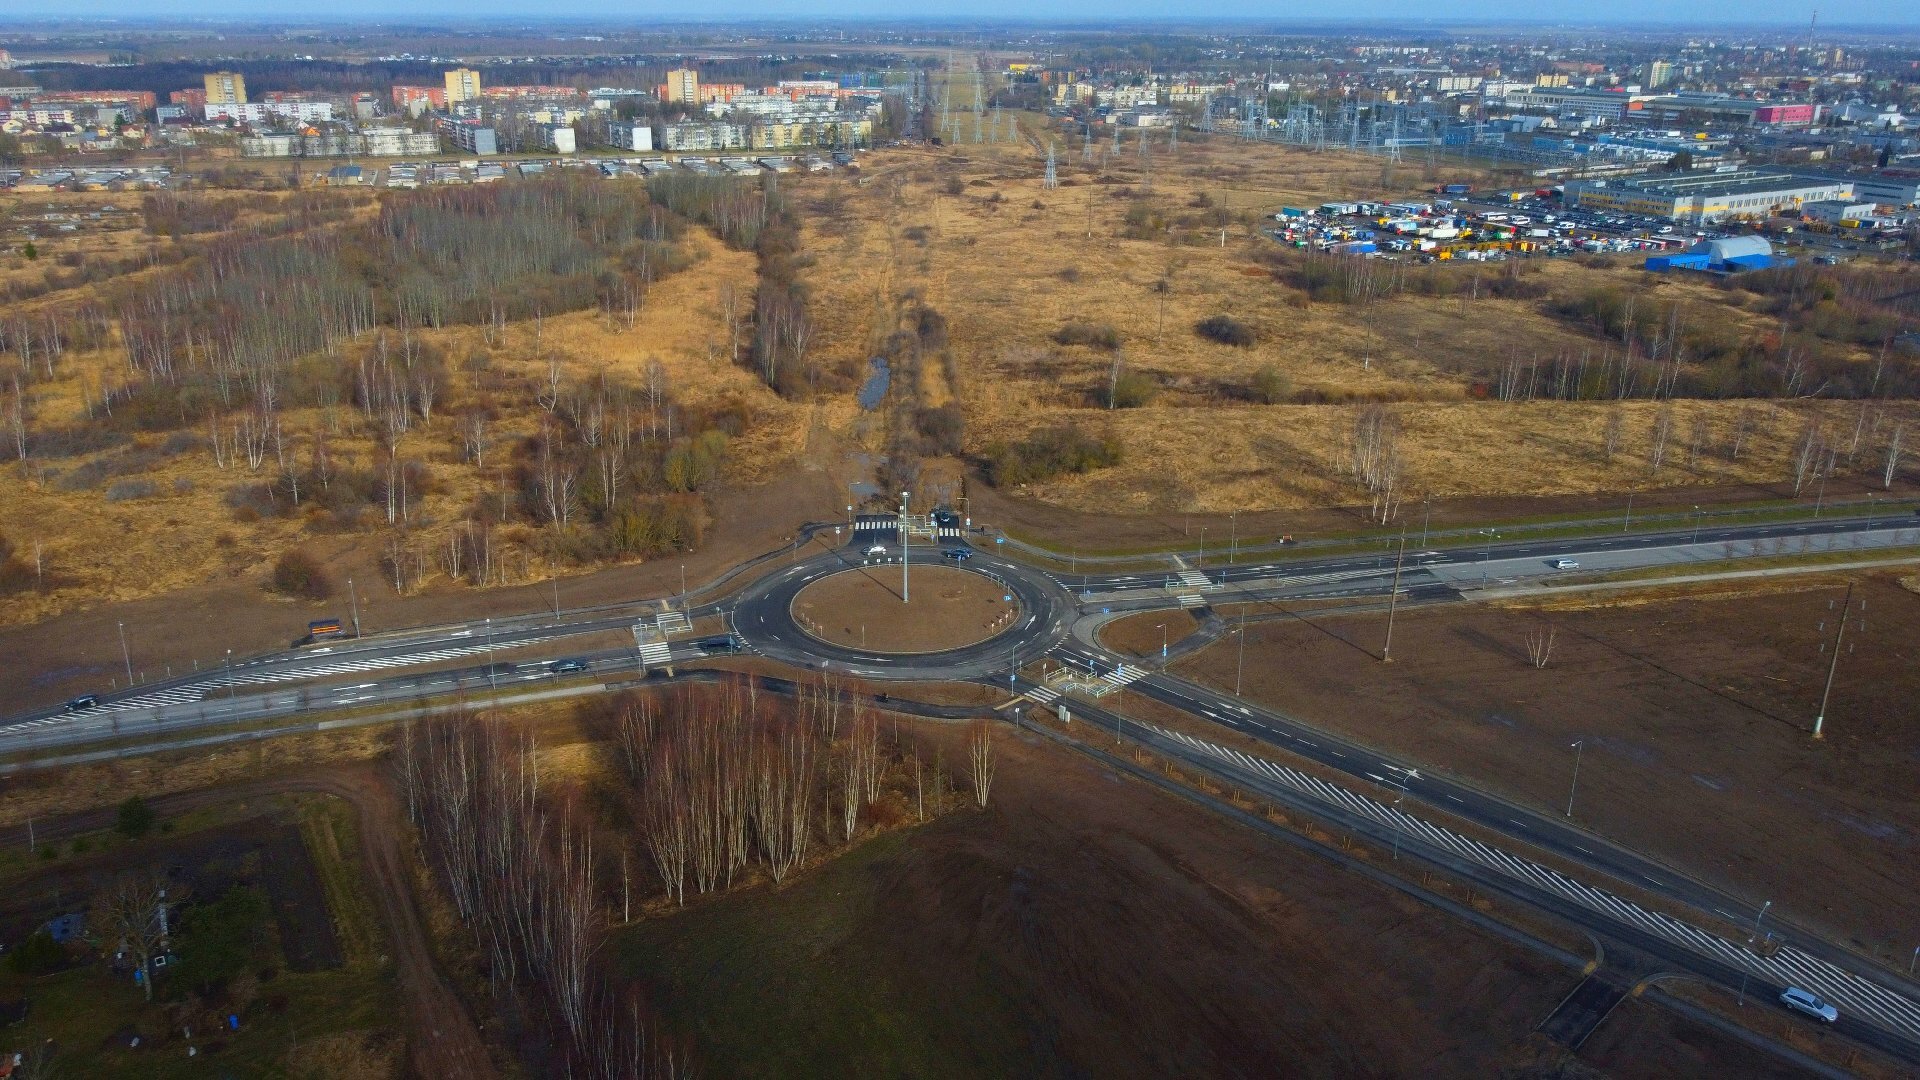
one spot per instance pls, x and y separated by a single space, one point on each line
122 490
1047 453
1132 390
944 428
1270 386
37 955
134 818
299 574
1226 330
1092 335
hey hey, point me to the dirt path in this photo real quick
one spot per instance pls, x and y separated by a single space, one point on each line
442 1038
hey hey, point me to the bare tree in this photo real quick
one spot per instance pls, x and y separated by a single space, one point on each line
1540 646
129 913
1891 464
980 761
1659 437
1808 451
1614 432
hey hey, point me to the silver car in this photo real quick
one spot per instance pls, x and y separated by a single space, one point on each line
1808 1002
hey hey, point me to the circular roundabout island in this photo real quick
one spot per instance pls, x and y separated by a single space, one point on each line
861 608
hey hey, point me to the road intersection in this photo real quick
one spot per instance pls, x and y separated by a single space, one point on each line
1589 882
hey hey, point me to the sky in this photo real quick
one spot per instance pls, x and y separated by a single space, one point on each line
1703 14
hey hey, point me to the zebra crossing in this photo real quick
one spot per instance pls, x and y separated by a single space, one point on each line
1197 580
1191 600
1117 678
673 622
1787 966
656 653
1045 695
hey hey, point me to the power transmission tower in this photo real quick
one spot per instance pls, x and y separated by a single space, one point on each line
979 112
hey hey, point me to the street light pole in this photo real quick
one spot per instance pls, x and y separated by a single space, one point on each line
490 682
1233 536
1578 747
1696 526
354 598
1393 600
124 654
1756 921
906 541
1241 667
1486 556
1833 662
683 585
1163 643
1627 522
229 674
1203 547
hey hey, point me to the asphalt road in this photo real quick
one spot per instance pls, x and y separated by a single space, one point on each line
1057 614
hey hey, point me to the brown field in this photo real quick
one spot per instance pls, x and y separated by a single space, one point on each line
1085 925
862 608
1145 633
1009 263
1694 710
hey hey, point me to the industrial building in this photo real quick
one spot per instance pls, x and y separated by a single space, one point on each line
1835 211
1701 197
1720 109
1728 255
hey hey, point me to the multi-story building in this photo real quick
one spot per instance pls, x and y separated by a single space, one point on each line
463 84
1659 73
702 135
264 112
416 99
682 86
558 138
225 88
626 136
471 136
1701 197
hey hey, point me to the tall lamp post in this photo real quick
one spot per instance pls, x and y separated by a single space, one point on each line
125 655
1240 667
906 541
1578 746
1833 662
354 598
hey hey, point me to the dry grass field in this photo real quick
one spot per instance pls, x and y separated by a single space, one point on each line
973 233
1131 249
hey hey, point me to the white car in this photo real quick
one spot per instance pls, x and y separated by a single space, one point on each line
877 549
1566 564
1808 1002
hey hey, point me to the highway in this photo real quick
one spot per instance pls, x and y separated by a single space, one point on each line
1058 616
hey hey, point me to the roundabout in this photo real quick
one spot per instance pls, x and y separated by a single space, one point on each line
842 610
863 608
